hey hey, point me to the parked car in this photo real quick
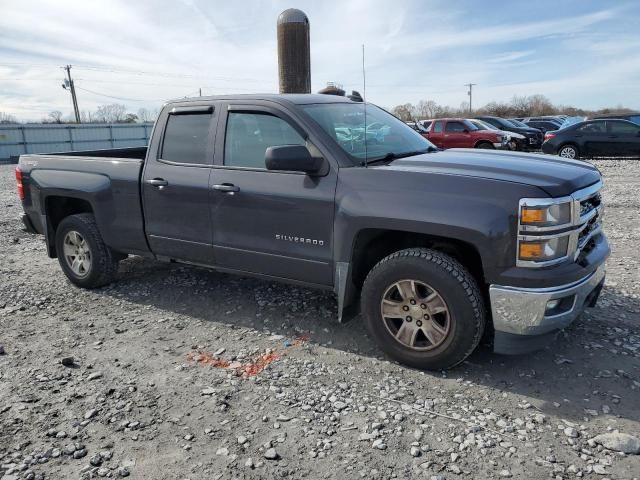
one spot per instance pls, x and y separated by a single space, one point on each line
632 117
433 246
418 126
543 124
595 138
533 135
461 133
515 141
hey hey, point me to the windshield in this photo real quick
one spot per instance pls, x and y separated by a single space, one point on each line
385 134
483 125
517 123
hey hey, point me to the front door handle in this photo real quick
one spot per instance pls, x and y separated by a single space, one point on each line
226 187
158 182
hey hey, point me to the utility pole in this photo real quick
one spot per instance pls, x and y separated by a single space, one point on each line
470 92
200 91
72 87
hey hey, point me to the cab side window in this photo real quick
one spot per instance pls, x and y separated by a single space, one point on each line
593 127
249 135
437 127
186 137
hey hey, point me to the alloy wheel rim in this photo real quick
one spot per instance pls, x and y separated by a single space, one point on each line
77 253
415 315
568 152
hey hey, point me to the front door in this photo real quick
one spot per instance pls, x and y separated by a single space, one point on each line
456 135
269 222
175 185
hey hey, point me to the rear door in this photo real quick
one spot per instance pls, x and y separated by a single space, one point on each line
624 138
592 139
271 223
175 184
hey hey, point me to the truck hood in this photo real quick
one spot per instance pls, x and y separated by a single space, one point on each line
557 177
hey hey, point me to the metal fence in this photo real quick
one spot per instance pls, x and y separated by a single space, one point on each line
16 140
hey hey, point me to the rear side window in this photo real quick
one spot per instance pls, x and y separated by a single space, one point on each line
593 127
186 138
623 128
437 127
250 134
455 127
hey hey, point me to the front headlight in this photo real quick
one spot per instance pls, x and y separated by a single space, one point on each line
551 215
543 250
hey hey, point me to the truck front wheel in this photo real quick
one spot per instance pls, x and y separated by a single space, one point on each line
423 308
85 259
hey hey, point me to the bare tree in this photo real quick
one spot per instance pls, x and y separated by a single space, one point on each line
6 118
112 113
427 109
406 112
145 115
55 116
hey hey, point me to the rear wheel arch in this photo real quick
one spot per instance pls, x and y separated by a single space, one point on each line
57 208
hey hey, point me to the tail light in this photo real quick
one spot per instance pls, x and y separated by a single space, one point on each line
549 136
19 183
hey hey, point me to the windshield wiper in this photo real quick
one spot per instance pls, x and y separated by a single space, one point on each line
389 157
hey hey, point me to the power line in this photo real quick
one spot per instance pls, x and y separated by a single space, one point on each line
120 98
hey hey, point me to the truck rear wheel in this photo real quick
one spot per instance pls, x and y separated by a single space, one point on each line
85 259
423 308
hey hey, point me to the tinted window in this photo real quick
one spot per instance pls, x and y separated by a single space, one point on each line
592 127
437 127
185 138
623 128
635 119
250 134
455 127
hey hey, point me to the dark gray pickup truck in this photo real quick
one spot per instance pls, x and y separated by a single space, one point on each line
435 248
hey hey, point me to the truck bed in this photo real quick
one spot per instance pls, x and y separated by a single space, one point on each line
103 182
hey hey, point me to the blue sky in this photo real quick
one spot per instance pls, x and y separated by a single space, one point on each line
142 53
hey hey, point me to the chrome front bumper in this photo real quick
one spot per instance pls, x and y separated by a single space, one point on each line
523 311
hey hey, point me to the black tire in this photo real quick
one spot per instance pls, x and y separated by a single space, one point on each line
486 145
569 147
452 282
103 263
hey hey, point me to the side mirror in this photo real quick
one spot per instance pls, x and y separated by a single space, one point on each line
292 158
466 130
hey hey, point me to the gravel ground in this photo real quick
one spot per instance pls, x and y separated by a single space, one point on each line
179 372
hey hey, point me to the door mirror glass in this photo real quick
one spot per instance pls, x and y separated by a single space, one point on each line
292 158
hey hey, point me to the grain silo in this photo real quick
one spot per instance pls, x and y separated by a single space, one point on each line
294 58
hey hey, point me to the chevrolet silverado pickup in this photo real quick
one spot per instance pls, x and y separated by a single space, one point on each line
435 248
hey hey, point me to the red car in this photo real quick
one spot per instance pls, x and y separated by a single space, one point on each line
461 133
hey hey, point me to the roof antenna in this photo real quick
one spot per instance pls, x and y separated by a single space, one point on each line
364 101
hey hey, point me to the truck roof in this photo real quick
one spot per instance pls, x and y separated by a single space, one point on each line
295 98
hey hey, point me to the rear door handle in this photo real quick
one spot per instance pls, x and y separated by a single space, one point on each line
226 187
158 182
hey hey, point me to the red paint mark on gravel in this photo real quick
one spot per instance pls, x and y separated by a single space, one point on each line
249 369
